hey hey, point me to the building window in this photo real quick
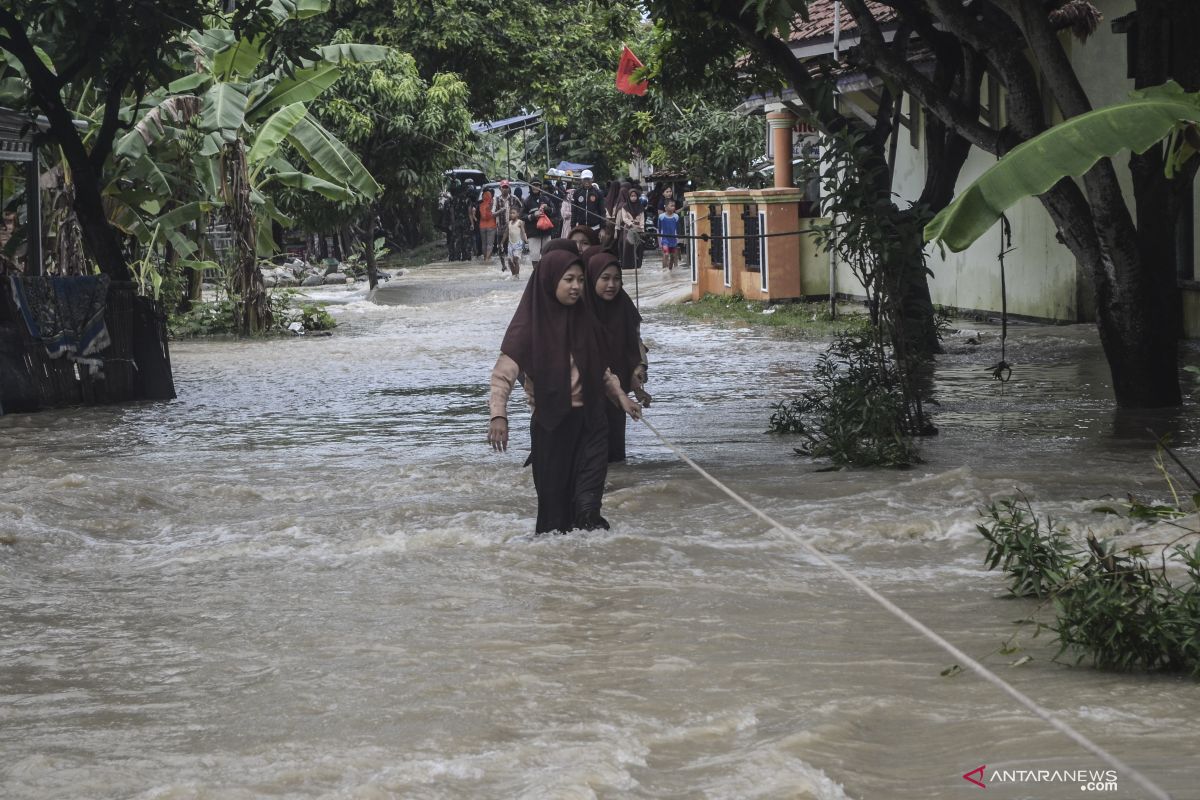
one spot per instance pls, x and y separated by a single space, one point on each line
752 244
725 248
762 249
691 247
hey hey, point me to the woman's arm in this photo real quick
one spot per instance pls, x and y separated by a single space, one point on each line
612 387
504 377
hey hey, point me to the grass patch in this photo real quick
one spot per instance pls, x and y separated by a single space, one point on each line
802 320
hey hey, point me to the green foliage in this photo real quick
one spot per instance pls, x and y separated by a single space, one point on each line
855 414
1070 148
315 318
512 55
867 404
684 125
715 146
1035 554
406 130
1112 606
216 318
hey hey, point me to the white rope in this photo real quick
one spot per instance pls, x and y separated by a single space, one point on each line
921 628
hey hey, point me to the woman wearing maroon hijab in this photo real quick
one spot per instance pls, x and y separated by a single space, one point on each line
621 324
631 225
557 343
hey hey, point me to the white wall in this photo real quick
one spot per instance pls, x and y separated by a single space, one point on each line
1043 279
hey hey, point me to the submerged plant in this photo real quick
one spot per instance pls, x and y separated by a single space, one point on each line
1115 606
856 413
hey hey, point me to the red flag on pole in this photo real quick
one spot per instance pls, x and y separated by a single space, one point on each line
625 69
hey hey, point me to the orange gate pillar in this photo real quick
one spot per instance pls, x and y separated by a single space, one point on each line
781 124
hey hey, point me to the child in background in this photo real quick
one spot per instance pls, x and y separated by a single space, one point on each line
516 241
668 236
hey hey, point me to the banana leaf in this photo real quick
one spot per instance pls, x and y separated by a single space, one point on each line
311 183
240 59
298 9
223 110
213 40
207 171
304 85
167 119
1068 149
147 170
328 158
210 145
274 132
188 83
351 53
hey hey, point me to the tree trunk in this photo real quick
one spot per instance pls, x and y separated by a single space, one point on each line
369 251
255 311
99 238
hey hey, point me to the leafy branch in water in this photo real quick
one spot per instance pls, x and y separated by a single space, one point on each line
856 413
871 388
1115 606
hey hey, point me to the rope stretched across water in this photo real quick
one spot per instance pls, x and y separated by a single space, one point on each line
925 631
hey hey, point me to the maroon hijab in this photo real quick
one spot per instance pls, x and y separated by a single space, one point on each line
594 249
633 208
619 318
560 244
584 230
612 198
543 337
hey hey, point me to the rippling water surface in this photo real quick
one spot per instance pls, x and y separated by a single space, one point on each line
308 577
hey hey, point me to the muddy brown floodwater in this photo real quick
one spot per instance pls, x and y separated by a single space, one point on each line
309 577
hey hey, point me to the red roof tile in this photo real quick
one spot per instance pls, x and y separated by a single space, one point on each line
820 20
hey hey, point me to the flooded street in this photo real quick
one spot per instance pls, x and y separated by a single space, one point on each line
309 577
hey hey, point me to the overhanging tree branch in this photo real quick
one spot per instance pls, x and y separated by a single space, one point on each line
896 67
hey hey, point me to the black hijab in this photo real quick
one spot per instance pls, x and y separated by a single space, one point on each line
619 317
633 208
543 337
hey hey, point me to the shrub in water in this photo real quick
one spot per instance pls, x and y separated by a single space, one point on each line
1116 607
856 413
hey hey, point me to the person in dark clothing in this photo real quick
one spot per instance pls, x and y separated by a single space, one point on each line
538 205
557 342
621 323
461 239
588 203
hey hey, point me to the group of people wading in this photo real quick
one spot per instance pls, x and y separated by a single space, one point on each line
512 226
576 339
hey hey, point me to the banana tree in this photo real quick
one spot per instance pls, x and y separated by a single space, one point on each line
1071 148
248 119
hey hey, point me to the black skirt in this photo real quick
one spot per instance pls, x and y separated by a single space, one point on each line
570 464
616 432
